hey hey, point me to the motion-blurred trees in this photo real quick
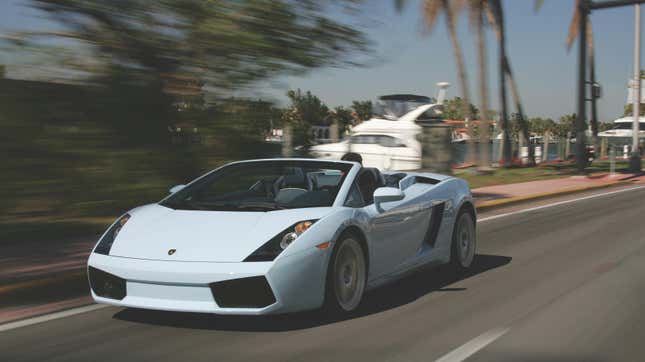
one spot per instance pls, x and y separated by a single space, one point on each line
227 43
141 72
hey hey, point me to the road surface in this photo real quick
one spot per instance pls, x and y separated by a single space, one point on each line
562 283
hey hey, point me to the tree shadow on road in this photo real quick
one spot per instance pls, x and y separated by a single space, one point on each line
401 292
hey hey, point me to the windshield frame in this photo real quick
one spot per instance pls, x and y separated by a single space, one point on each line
348 170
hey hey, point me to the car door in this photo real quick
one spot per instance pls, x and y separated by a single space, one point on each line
393 233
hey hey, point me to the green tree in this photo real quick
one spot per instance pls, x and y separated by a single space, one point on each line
343 117
453 109
628 110
363 110
566 124
305 111
604 126
539 125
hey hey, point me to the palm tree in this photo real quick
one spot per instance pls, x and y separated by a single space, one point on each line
476 10
495 13
431 11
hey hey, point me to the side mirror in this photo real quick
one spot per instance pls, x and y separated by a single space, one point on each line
387 194
176 188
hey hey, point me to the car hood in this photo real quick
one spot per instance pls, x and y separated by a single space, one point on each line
207 236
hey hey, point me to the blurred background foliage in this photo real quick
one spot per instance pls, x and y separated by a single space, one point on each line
137 96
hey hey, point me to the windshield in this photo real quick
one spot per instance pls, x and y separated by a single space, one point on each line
263 186
395 108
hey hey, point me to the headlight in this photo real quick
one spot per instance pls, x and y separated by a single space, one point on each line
272 248
105 244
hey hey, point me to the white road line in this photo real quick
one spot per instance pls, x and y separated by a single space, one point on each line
557 204
471 347
49 317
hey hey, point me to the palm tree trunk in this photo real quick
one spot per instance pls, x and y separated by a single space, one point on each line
461 71
484 128
524 128
503 115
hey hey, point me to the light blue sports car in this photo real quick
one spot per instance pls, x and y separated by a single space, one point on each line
282 235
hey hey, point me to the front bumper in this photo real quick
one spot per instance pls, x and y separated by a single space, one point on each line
297 282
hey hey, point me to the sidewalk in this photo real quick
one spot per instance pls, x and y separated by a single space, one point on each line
490 196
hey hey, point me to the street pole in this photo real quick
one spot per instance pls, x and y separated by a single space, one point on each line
635 159
581 152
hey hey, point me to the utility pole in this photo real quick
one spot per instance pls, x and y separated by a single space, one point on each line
581 149
585 7
635 157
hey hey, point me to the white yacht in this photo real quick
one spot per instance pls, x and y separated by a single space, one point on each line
623 129
388 140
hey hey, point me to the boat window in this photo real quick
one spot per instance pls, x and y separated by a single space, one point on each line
389 141
627 125
383 140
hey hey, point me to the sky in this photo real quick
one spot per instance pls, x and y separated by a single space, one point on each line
413 62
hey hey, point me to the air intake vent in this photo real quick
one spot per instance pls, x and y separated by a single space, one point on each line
253 292
106 285
435 223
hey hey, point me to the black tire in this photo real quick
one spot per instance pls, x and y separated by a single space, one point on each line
464 235
346 277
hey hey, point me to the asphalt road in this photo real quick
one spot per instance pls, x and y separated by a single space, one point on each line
565 283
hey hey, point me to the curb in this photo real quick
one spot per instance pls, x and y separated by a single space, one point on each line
490 205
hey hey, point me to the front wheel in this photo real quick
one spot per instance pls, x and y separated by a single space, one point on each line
346 277
464 241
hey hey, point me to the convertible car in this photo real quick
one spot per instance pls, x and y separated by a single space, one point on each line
282 235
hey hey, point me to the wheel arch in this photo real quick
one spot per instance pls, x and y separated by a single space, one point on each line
468 206
362 240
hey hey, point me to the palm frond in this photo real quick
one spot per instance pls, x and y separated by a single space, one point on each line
431 9
537 4
399 5
574 26
492 14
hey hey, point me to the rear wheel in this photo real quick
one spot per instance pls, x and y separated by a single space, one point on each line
346 276
464 241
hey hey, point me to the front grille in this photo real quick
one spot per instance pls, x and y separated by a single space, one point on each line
106 285
253 292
